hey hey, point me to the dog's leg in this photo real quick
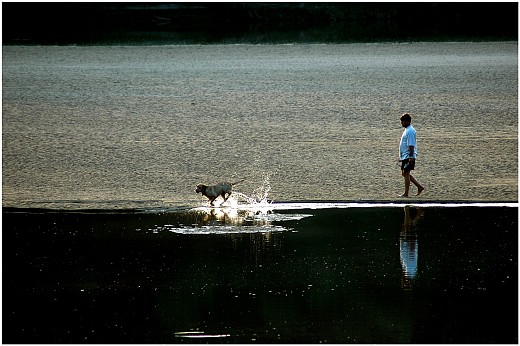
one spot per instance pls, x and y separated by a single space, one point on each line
223 194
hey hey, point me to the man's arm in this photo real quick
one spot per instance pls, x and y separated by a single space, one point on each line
411 151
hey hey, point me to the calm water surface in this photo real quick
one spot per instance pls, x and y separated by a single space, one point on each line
125 127
367 275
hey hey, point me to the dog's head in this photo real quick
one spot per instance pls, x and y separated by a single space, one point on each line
201 188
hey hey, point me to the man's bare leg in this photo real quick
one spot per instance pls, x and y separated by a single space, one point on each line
420 188
406 176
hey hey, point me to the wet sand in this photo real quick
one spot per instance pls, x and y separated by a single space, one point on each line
125 127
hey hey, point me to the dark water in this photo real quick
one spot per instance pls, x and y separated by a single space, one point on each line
337 275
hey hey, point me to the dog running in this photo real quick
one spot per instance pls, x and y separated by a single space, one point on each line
220 189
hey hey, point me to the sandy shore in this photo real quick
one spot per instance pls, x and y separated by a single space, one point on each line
111 127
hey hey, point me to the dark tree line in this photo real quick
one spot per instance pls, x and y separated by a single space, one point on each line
90 23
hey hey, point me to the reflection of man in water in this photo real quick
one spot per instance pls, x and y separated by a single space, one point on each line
408 245
408 154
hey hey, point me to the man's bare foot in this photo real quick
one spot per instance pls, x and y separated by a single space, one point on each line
421 189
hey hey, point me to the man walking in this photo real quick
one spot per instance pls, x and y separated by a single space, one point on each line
408 154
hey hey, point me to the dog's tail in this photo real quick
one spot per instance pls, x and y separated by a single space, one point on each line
238 182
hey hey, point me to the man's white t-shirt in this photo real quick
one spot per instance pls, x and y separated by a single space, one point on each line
408 139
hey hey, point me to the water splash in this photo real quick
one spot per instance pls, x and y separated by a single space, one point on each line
261 194
239 214
259 197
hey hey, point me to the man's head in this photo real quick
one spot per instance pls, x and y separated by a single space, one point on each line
406 119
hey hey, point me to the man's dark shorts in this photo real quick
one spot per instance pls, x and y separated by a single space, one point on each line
407 166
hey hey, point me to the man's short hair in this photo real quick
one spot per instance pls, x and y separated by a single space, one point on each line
406 117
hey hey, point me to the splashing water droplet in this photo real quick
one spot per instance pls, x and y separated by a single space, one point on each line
259 196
